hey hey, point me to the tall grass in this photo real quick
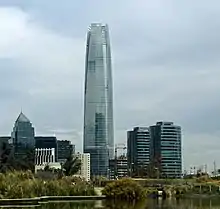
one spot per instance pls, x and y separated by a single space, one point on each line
25 185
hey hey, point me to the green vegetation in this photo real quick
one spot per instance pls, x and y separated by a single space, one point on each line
10 162
71 165
124 189
26 185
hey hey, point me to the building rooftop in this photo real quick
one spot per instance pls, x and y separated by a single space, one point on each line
22 118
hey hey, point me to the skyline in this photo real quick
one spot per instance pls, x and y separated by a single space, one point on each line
165 67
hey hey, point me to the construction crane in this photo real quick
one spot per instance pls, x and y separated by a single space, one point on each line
117 147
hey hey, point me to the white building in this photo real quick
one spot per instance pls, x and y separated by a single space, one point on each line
51 165
84 172
44 156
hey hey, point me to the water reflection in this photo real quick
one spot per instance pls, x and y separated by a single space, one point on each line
148 204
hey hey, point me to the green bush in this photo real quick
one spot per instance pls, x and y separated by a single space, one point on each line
24 185
124 189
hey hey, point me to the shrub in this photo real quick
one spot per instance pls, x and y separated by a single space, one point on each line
24 185
124 189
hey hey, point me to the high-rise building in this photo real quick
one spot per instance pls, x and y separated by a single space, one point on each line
118 167
166 151
64 150
138 150
98 101
23 136
47 142
84 171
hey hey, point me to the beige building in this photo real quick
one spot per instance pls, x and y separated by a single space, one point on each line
84 172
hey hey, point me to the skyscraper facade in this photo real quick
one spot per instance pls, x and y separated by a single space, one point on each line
64 150
98 100
166 149
138 150
23 136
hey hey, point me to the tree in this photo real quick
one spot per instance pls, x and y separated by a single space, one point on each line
6 158
26 160
9 161
71 166
47 168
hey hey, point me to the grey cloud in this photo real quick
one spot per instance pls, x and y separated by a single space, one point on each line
165 58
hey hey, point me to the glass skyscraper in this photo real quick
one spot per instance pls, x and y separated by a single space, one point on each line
166 149
98 100
23 132
23 136
138 150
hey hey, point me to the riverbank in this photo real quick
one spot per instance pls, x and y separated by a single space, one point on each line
47 199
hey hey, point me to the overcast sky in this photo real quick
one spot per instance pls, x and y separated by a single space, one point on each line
165 67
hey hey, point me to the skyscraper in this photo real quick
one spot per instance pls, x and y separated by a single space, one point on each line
138 146
166 149
23 132
23 137
98 101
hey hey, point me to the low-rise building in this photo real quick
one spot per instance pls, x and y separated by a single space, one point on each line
118 168
55 166
44 156
46 142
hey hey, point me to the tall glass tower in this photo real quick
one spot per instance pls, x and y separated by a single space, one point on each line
98 101
23 138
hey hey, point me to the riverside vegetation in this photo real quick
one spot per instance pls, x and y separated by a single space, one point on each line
129 189
20 184
124 189
18 179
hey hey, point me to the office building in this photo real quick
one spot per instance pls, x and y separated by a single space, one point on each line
138 150
84 171
47 142
98 100
166 153
64 150
44 156
118 168
22 136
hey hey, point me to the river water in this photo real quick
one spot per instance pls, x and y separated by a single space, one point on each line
148 204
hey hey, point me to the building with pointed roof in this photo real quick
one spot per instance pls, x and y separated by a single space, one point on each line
22 118
23 135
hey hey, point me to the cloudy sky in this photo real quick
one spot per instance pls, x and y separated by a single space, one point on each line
165 66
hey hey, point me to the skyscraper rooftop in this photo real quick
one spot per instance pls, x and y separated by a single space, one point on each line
22 118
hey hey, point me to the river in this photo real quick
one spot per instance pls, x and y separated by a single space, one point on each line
148 204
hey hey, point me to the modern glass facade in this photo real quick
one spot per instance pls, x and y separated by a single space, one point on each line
64 150
98 100
166 149
138 150
23 135
47 142
23 132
